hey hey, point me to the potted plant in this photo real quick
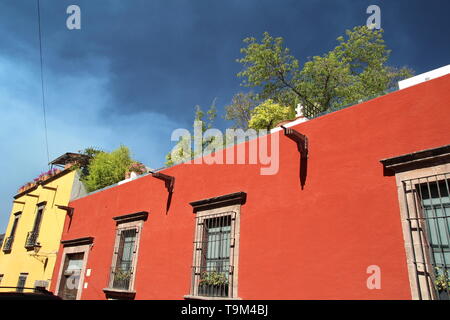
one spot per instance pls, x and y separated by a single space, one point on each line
442 283
122 279
213 283
136 167
122 275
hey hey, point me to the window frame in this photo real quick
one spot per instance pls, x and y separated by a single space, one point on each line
21 276
36 225
124 223
79 245
416 167
216 207
12 233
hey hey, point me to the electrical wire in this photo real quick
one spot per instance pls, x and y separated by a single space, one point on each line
42 80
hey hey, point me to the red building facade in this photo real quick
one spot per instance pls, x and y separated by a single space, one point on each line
274 239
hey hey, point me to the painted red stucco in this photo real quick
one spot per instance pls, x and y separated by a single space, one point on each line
314 243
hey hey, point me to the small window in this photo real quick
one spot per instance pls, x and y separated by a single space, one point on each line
22 281
216 247
123 270
33 235
123 267
8 242
423 188
214 269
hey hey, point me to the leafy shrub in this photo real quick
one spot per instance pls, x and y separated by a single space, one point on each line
268 114
213 278
107 168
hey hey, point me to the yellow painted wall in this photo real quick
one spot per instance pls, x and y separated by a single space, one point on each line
19 259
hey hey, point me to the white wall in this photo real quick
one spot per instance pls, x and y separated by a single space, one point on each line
424 77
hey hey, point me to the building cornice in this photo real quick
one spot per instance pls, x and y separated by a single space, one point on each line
221 201
419 159
142 215
77 242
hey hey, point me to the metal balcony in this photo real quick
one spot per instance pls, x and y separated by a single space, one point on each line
120 279
212 281
31 241
7 246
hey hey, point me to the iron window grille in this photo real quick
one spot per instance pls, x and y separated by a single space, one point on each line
122 271
31 240
8 244
21 282
427 216
33 235
7 247
212 273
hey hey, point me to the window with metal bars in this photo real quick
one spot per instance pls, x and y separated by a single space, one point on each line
212 273
21 282
124 255
32 236
428 218
7 246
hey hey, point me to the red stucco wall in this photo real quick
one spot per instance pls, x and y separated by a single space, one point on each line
314 243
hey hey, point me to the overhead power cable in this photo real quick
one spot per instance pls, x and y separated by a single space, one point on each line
42 80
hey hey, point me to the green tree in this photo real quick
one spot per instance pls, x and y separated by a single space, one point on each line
107 168
185 143
355 69
240 109
268 114
83 166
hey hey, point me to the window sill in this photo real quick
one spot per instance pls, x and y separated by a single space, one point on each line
191 297
119 293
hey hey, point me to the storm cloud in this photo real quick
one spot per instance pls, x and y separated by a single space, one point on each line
136 69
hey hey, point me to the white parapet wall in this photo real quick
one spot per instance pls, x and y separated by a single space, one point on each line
436 73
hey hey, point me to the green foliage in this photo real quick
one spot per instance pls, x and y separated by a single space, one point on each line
91 151
270 66
183 149
240 109
83 166
137 167
442 280
107 168
122 275
213 278
355 69
268 114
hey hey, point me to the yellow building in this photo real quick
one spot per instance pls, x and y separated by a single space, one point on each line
33 235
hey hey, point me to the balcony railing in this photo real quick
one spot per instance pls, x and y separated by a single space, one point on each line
7 246
31 241
212 281
120 279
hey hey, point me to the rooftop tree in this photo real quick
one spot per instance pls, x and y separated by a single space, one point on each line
355 69
107 168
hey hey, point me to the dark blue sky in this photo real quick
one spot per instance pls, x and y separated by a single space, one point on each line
136 69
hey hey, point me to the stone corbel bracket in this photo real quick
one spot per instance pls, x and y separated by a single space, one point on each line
300 139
